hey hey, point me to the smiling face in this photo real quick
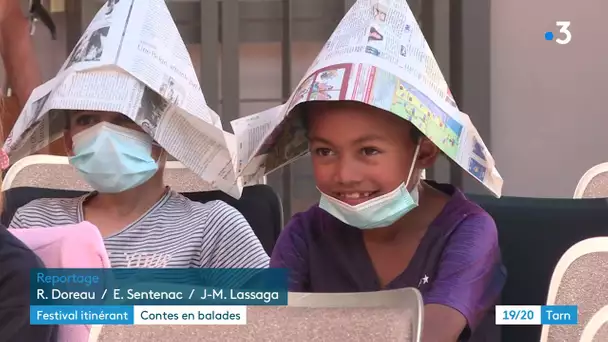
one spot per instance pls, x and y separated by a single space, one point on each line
360 152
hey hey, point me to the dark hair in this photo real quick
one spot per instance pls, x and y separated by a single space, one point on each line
303 110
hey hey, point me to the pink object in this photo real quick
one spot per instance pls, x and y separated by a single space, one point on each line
74 246
4 161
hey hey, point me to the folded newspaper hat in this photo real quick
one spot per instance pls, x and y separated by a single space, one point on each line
377 55
131 59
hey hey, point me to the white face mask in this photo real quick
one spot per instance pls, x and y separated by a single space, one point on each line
378 212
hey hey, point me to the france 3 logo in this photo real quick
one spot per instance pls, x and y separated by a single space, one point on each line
563 36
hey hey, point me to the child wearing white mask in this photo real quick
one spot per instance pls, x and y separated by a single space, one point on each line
379 226
144 223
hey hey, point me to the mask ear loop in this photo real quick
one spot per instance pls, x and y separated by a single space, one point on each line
162 151
409 176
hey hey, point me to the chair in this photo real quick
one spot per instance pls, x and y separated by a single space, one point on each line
533 234
597 328
594 183
581 278
259 204
369 316
41 170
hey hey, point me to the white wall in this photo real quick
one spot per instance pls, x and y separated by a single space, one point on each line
549 120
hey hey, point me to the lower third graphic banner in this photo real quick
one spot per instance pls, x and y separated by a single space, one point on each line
138 315
118 287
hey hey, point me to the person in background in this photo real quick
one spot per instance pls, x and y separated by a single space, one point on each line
144 223
379 226
16 261
17 51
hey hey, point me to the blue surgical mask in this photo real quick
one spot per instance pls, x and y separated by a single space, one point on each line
378 212
112 158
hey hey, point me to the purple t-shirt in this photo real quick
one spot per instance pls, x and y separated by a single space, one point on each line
457 263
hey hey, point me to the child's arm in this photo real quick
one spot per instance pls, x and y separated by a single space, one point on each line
17 51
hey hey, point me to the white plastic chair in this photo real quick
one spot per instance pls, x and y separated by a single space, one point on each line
55 172
581 278
394 315
594 183
597 328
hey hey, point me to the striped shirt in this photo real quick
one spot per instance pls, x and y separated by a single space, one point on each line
175 233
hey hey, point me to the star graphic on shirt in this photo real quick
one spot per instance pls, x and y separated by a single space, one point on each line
423 280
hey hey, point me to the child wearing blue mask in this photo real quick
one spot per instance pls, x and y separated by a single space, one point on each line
116 118
144 223
379 226
376 113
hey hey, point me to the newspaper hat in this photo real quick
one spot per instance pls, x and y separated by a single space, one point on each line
131 59
377 55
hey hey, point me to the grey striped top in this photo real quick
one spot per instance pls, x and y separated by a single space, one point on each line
175 233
